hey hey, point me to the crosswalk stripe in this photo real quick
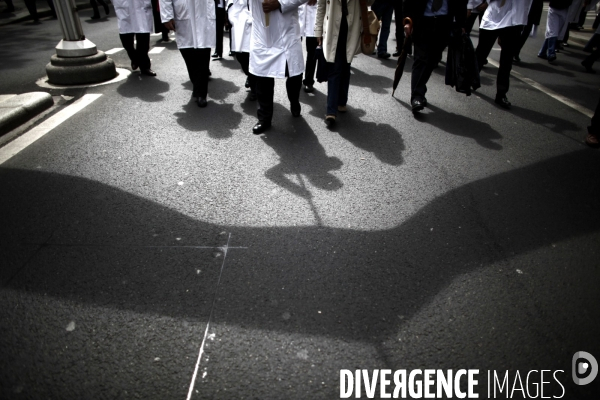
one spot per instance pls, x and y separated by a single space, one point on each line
156 50
113 51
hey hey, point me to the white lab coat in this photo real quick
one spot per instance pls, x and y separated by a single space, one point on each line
307 16
195 22
241 25
273 46
512 13
134 16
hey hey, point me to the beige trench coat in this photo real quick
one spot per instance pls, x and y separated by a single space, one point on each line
327 25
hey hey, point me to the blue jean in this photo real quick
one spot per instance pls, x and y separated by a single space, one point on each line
338 75
548 49
384 12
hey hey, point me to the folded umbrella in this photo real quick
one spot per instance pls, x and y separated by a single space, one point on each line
402 59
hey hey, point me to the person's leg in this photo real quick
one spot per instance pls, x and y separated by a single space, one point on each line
142 48
593 138
220 24
590 60
384 14
293 84
10 7
32 8
105 5
510 37
244 60
334 71
311 61
487 38
344 85
265 88
203 73
399 31
127 42
94 5
52 9
470 22
522 39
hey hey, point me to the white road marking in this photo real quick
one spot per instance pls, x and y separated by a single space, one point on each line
193 383
156 50
566 101
14 147
113 51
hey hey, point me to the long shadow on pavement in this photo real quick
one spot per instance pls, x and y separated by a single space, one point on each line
85 236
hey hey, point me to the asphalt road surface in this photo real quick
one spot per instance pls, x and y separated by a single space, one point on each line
143 231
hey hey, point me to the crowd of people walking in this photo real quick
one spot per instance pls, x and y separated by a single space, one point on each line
266 39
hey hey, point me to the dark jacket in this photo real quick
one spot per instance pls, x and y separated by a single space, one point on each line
457 10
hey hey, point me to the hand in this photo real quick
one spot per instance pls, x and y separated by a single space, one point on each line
271 5
170 25
481 8
320 41
408 30
312 2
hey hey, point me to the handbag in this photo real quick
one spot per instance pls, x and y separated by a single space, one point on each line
371 26
321 65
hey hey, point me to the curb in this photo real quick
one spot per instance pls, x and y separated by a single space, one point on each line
18 109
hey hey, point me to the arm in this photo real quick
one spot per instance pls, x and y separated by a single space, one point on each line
166 14
321 8
291 5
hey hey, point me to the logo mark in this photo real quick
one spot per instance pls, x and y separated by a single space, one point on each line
584 364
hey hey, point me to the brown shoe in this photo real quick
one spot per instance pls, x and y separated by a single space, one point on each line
342 109
592 140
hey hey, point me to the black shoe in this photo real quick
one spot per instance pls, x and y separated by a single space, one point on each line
216 56
202 102
309 88
588 67
551 58
543 56
330 120
485 62
260 127
247 84
134 66
106 9
95 16
396 54
502 102
296 110
8 10
417 105
231 54
148 72
383 55
517 59
165 37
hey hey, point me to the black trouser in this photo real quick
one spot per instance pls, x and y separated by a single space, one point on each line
265 88
509 37
471 21
32 8
10 5
159 27
221 13
398 17
311 61
244 60
138 54
592 58
594 128
523 38
430 39
94 4
197 62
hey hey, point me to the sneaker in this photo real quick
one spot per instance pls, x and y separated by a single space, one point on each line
342 109
309 88
330 120
383 55
551 58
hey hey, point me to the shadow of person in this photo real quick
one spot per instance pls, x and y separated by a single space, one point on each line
549 120
301 156
454 124
382 140
377 83
218 119
102 248
543 67
144 88
220 89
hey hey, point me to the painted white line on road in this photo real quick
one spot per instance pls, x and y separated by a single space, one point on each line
566 101
34 134
193 383
156 50
113 51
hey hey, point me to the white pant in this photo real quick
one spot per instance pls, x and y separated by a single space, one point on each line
556 23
